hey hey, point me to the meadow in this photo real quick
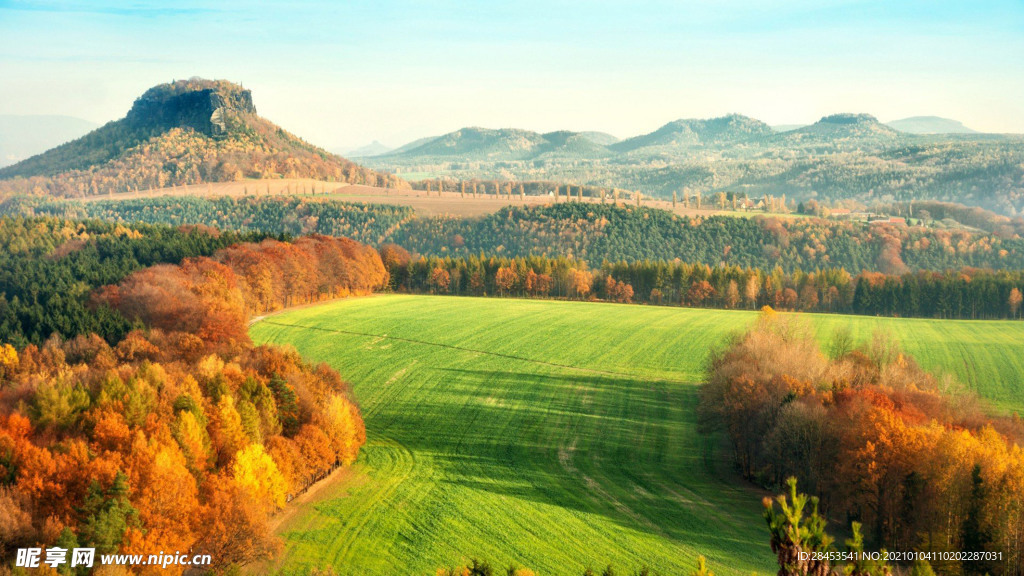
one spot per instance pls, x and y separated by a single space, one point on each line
555 435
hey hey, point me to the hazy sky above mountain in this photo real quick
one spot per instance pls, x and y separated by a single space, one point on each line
344 73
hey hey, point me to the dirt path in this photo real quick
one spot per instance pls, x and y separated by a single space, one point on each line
340 474
256 319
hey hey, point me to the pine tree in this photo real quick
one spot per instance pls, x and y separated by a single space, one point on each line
975 533
792 533
69 542
107 515
863 565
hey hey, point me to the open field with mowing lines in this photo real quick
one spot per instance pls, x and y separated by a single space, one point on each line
553 434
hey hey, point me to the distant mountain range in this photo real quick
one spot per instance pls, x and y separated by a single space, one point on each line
185 132
25 136
839 157
509 144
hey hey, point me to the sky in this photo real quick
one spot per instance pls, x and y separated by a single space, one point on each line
344 73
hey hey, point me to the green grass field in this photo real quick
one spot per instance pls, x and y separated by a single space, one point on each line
554 434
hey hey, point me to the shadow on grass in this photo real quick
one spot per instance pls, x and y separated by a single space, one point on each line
624 448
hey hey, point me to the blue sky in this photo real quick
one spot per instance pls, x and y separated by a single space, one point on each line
344 73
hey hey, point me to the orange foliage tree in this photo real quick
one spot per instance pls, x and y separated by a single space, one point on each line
183 435
872 433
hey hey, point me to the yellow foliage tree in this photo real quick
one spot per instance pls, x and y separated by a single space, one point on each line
343 426
229 435
8 359
194 442
256 473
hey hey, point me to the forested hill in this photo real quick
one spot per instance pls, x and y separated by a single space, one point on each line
594 233
369 223
597 233
482 144
185 132
51 267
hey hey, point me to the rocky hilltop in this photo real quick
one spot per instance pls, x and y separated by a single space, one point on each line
209 107
180 133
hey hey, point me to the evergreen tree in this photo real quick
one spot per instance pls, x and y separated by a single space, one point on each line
69 542
975 534
793 533
862 565
107 515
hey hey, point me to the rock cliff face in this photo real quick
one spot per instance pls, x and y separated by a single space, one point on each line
209 110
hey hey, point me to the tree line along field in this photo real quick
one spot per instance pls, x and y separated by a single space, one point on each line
555 435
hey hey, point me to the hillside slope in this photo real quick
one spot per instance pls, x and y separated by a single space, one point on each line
839 129
698 132
185 132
